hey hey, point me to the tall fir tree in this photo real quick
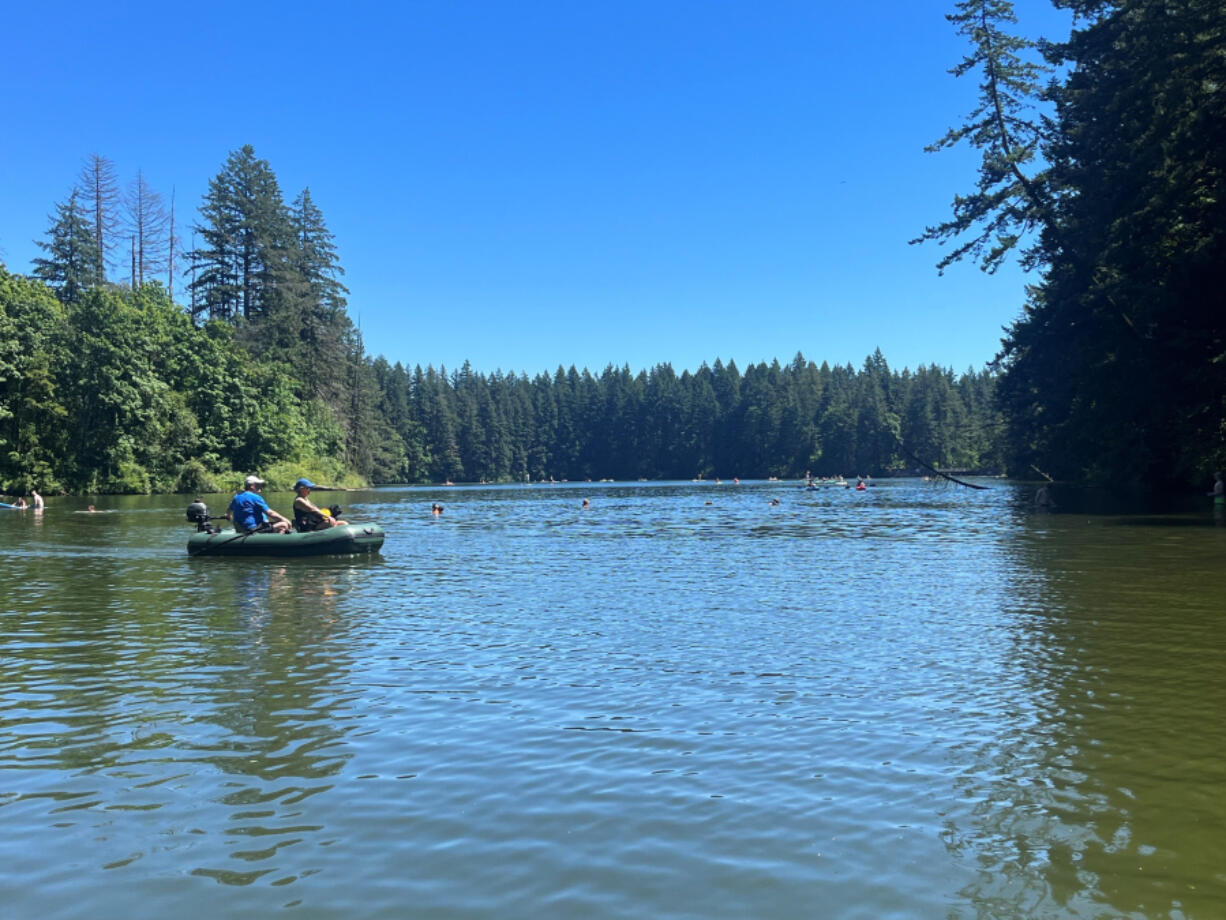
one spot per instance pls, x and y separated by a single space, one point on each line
71 266
1011 199
320 323
244 261
1117 369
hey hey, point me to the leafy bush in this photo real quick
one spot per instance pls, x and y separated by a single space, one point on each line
195 479
131 479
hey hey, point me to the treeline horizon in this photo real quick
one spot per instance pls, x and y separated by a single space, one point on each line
770 420
122 392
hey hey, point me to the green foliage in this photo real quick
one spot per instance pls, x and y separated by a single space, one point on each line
129 478
195 479
1116 368
34 421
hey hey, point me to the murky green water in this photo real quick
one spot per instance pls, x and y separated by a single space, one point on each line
919 701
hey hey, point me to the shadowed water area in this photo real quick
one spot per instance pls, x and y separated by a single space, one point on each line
916 701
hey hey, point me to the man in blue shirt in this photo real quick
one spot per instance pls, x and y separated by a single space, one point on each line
250 512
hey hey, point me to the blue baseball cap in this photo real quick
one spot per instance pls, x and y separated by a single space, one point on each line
304 484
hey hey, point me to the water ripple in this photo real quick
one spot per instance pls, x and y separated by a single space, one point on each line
684 702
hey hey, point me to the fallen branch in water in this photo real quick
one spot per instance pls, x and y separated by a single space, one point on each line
915 459
1041 473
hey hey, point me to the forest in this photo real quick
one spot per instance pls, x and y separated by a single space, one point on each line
1103 169
122 391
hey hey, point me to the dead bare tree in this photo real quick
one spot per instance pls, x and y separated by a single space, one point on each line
148 225
98 187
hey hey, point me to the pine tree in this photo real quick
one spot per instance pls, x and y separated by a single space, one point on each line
1117 369
1008 202
73 257
245 259
318 318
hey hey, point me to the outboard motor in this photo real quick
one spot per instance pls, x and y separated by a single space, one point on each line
198 514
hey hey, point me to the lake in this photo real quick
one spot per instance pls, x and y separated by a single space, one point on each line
919 701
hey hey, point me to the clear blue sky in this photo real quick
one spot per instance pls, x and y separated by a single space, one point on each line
530 184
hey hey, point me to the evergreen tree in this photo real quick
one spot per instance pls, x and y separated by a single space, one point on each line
71 265
1011 199
1117 369
244 260
317 319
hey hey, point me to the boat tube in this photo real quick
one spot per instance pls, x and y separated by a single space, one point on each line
344 539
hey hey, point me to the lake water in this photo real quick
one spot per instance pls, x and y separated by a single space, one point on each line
920 701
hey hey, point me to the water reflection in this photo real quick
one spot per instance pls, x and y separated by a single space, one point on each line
133 700
683 701
1105 795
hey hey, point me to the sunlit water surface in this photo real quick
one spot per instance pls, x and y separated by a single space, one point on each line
917 701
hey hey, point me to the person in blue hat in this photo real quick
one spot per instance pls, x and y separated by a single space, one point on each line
306 515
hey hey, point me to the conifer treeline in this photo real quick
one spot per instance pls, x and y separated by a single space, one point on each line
121 392
772 420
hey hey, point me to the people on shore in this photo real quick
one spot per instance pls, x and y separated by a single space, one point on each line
250 512
306 515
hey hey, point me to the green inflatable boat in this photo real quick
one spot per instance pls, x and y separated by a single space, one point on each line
342 540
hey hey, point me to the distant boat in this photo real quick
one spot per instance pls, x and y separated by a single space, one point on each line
814 485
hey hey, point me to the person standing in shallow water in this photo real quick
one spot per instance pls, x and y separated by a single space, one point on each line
1218 493
1043 499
